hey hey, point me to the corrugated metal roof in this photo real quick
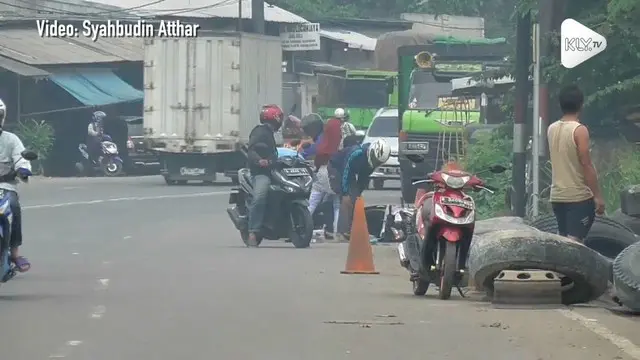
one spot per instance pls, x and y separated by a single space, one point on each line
20 68
353 39
25 45
203 9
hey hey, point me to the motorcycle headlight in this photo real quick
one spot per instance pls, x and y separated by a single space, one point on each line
455 182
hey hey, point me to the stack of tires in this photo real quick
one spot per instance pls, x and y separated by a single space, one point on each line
626 266
607 236
513 244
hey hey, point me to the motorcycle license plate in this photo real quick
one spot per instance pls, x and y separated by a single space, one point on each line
467 204
295 171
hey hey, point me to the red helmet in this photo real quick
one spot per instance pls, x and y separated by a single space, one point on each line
272 114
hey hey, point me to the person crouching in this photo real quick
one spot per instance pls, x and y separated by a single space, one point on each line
349 174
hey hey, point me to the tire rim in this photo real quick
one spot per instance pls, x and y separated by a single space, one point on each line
112 167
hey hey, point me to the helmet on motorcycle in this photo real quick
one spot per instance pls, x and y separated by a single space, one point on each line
272 114
312 125
98 116
378 153
3 113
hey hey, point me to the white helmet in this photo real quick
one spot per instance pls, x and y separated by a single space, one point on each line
378 153
3 113
339 113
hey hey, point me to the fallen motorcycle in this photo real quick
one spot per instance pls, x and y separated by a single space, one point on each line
445 220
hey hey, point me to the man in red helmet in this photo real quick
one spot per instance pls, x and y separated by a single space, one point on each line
262 152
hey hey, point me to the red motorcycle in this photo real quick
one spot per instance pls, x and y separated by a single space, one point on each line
445 220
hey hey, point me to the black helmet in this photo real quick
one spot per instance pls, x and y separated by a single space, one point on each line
312 125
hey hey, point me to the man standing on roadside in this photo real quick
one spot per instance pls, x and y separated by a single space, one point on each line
575 194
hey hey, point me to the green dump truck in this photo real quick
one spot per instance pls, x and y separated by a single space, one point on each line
431 121
364 93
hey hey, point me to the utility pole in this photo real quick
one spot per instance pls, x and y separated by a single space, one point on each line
523 58
537 131
546 16
257 16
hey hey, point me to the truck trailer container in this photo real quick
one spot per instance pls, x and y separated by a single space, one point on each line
202 97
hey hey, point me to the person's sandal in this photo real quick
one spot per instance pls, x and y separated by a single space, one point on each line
21 264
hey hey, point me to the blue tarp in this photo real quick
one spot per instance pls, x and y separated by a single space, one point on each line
96 87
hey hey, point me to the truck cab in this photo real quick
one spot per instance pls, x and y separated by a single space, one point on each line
431 120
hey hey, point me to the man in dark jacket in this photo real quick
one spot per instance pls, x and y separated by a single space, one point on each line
262 152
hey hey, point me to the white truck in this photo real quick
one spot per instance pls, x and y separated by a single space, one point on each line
202 97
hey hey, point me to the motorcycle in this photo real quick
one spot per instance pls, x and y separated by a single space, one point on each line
7 268
109 163
286 214
445 219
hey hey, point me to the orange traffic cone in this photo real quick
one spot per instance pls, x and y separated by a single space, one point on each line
360 256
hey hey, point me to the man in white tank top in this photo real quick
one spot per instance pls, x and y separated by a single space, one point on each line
575 194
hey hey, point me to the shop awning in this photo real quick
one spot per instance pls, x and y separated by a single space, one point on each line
96 87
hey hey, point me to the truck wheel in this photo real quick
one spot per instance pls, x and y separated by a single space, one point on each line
181 182
378 184
584 269
607 236
407 189
626 277
169 181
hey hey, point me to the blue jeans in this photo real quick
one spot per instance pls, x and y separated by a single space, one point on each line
16 225
261 185
317 197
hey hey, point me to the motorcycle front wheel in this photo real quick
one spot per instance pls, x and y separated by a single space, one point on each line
301 226
449 268
112 167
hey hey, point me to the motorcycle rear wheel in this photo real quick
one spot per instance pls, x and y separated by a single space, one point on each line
449 268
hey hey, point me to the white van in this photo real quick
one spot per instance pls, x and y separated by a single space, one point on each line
385 126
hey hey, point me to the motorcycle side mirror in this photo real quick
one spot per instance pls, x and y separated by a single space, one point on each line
415 158
497 169
29 155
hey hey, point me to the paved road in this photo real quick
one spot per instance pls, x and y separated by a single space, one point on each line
133 269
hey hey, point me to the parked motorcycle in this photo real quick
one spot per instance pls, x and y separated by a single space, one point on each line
109 163
286 214
7 268
445 220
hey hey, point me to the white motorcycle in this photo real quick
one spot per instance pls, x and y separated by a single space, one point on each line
109 163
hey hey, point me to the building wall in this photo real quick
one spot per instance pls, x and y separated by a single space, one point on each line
336 53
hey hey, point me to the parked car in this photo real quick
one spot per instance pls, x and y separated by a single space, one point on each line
140 157
385 126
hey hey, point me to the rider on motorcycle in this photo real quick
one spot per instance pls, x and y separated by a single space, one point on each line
95 132
262 152
349 175
11 148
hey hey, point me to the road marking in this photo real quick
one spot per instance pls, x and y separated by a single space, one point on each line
592 325
98 312
126 237
133 198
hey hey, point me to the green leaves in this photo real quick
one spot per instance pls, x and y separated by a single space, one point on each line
38 136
